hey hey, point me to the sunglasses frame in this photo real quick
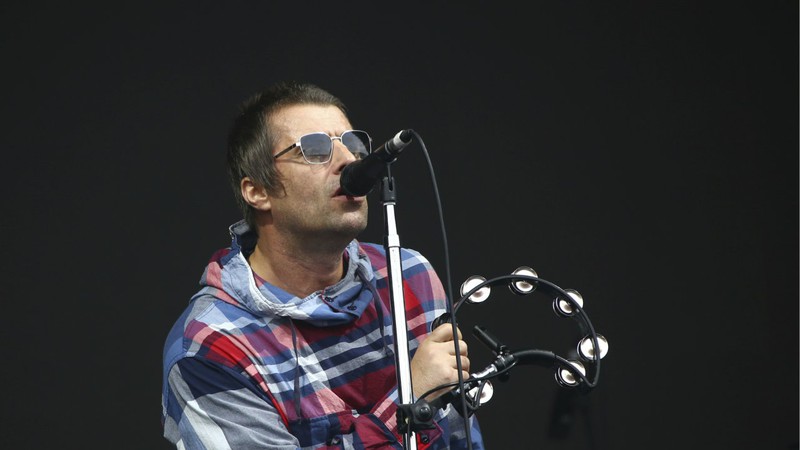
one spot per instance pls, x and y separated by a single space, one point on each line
330 150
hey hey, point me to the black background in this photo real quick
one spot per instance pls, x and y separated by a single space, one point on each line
643 153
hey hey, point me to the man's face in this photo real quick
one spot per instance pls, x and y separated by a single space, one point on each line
313 206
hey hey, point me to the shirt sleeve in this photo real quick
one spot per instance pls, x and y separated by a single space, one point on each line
210 406
213 407
378 429
458 435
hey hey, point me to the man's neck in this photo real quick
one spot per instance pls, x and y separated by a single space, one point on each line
298 269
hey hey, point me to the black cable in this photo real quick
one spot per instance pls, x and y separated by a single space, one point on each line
452 307
449 283
579 315
531 356
468 380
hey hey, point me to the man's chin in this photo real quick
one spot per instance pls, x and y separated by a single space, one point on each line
354 228
353 225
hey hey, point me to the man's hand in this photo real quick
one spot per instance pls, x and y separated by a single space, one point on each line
434 362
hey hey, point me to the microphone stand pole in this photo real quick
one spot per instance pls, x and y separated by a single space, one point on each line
400 330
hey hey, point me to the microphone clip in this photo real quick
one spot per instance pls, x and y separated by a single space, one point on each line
415 416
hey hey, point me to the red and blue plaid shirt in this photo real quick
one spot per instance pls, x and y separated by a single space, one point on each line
248 365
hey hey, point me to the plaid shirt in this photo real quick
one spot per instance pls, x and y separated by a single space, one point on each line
248 365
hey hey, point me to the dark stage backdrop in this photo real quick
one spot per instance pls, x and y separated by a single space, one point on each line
642 153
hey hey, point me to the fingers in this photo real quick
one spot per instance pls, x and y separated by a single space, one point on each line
464 366
443 336
462 348
444 333
435 364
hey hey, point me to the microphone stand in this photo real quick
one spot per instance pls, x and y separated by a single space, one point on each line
395 270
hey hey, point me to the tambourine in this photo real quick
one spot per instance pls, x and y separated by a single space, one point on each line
581 372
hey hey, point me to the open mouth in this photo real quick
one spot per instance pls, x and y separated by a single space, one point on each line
339 192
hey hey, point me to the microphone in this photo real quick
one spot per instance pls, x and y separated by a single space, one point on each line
358 178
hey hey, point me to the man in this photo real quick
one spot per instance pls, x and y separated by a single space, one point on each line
288 343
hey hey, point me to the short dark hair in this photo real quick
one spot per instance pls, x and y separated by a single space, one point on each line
250 140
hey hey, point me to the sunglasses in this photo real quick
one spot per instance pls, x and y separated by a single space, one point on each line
318 147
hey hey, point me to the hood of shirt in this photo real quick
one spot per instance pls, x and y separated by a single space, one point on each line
228 276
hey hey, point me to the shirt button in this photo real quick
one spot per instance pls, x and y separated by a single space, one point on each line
424 438
327 299
352 307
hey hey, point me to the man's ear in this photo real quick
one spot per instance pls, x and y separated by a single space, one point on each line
256 196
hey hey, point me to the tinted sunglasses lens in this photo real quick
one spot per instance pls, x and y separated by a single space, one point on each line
358 143
316 147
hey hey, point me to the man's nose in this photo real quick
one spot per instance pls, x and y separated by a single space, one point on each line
341 156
